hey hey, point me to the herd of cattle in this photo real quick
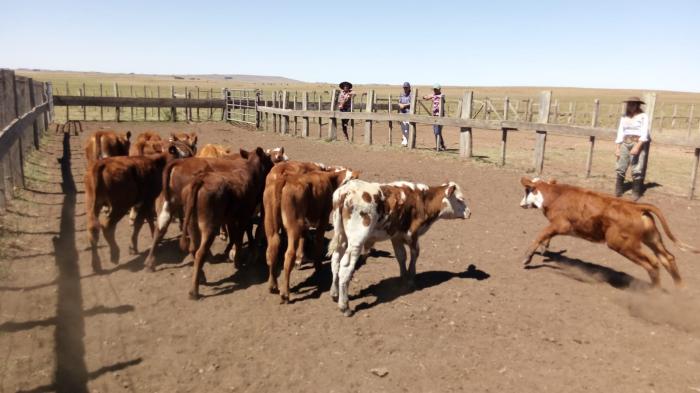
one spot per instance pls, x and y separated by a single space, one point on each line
217 191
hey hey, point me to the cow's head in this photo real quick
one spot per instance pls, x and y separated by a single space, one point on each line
266 162
277 154
188 138
179 149
453 203
350 175
533 194
124 143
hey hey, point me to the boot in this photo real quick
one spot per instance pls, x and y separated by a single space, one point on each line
636 189
619 186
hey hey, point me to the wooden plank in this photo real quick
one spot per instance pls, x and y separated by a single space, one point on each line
131 108
465 133
694 174
591 139
541 136
102 114
368 123
211 110
319 118
145 110
67 108
412 126
198 97
333 121
158 96
305 119
691 113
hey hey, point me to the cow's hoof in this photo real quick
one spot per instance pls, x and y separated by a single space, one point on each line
274 290
193 296
149 268
284 299
348 312
133 251
232 255
527 259
334 298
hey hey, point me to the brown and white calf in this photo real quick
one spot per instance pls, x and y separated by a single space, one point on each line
222 198
623 225
178 175
103 144
120 183
306 201
365 213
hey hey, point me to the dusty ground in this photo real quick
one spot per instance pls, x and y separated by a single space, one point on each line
478 322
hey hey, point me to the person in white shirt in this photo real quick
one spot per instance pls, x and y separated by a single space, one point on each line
632 135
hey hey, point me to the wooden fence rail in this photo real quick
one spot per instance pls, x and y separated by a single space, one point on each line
25 114
466 123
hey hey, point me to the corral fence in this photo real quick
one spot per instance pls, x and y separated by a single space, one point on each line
25 114
542 116
279 110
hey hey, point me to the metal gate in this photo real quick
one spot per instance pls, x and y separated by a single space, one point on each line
241 105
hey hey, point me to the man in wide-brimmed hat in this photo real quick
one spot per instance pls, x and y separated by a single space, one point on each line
344 101
632 135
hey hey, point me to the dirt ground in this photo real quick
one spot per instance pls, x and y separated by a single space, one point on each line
580 321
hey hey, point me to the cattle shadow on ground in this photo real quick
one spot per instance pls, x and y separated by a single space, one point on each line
314 285
251 272
389 289
588 272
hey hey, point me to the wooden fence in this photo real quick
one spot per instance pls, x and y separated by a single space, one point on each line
25 114
279 109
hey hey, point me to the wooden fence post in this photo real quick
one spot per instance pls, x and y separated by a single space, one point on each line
506 105
332 121
673 116
694 174
67 108
369 107
285 118
591 139
352 121
198 118
541 136
412 125
650 100
32 104
305 119
116 108
102 113
145 109
131 93
173 110
465 133
158 95
690 118
320 119
391 124
211 108
83 93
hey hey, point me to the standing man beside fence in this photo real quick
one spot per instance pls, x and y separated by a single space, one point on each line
632 134
437 104
405 107
344 100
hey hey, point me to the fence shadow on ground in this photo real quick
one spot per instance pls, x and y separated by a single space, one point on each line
583 271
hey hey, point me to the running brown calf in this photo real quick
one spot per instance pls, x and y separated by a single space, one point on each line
623 225
121 183
103 144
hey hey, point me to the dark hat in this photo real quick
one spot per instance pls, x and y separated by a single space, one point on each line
345 83
406 84
634 99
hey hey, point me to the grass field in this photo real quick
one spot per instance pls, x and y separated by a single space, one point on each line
149 85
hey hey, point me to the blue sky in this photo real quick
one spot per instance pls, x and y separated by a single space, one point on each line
616 44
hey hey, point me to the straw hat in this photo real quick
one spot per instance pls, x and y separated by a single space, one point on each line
634 99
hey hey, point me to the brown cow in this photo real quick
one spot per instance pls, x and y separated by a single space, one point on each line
306 201
177 175
222 198
103 144
623 225
272 198
147 143
214 151
121 183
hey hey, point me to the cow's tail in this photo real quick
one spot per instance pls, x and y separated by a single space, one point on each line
95 183
337 220
649 208
189 227
167 173
98 146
